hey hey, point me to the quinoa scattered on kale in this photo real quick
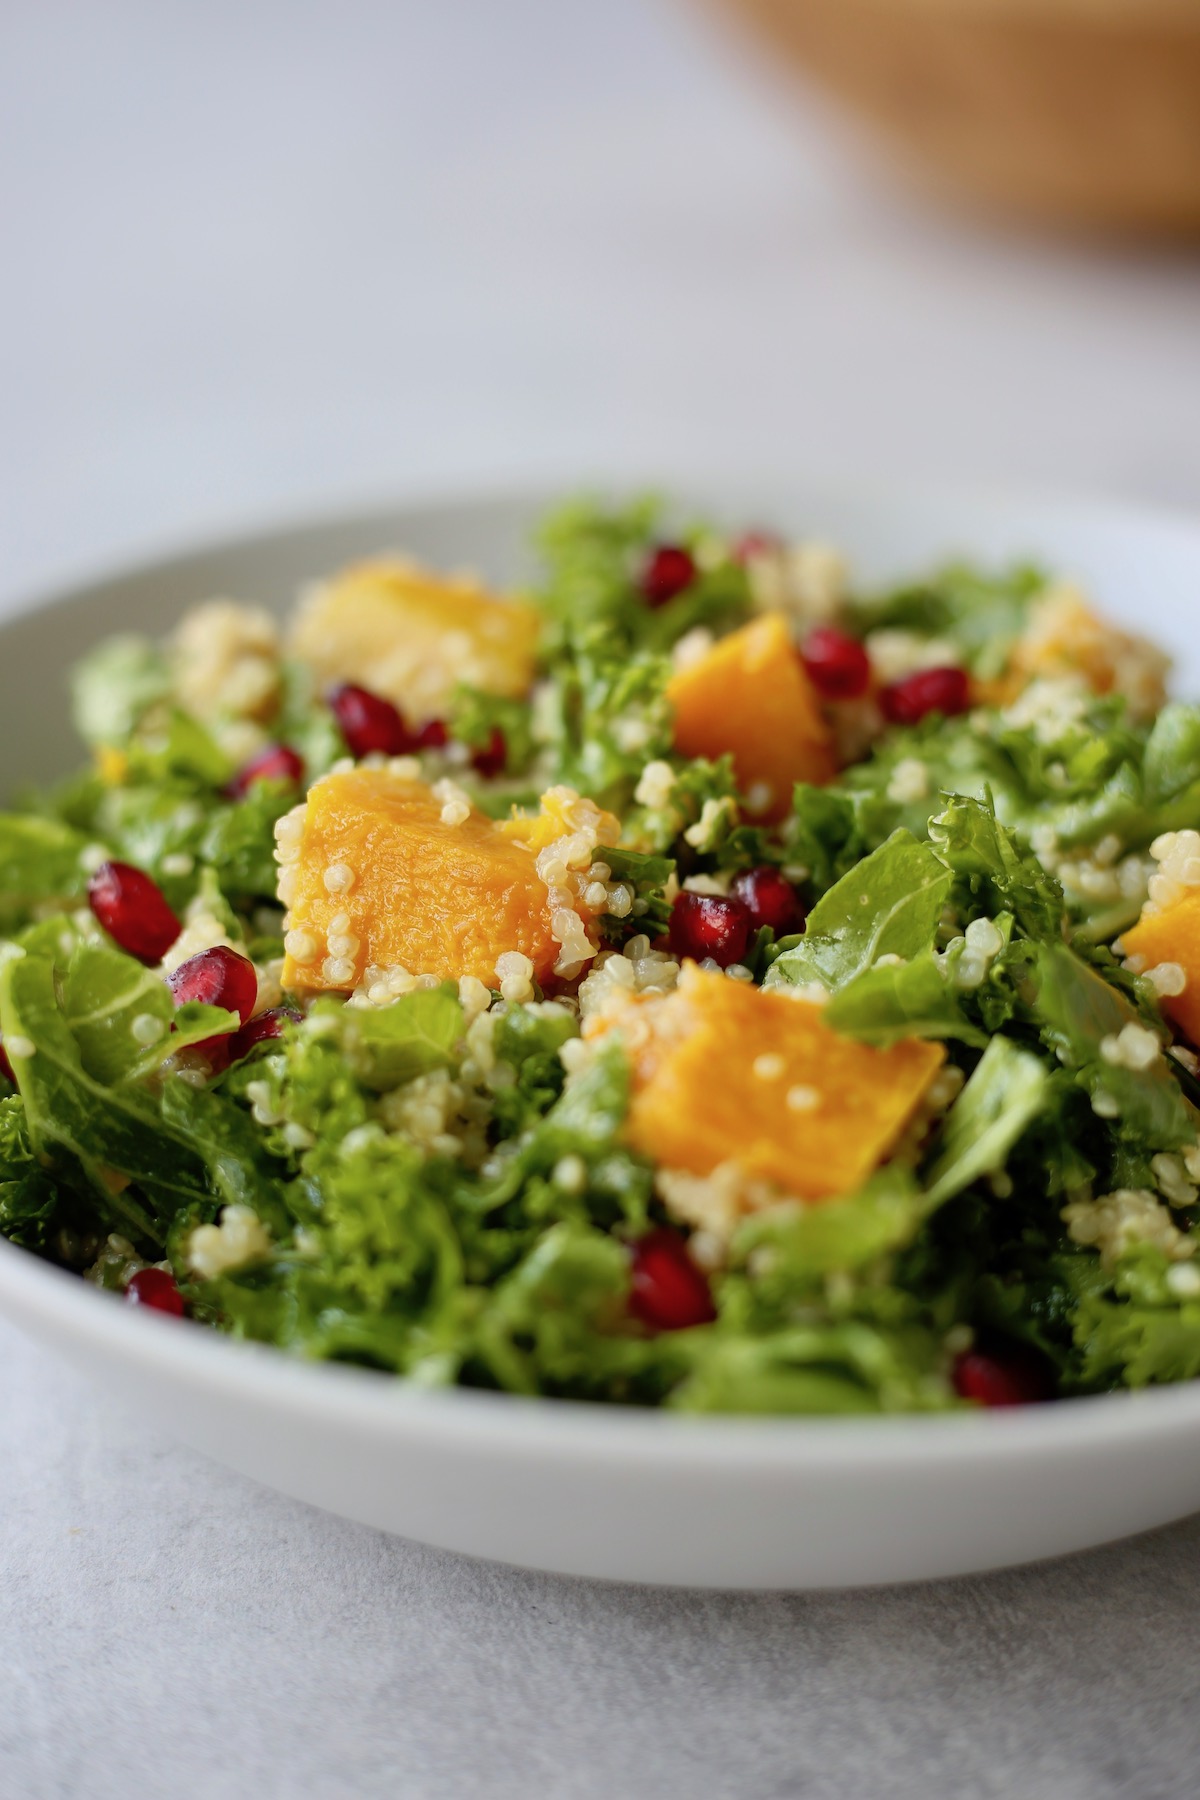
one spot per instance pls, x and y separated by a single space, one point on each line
691 983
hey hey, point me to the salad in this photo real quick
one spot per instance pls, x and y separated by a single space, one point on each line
692 982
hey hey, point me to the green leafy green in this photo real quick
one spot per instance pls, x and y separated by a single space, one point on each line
183 748
1077 1013
555 1324
982 614
793 1245
388 1045
594 557
528 1042
238 841
1133 1330
970 841
917 998
145 1153
39 863
106 993
476 716
647 876
889 904
442 1200
837 1366
824 835
1005 1094
31 1196
115 686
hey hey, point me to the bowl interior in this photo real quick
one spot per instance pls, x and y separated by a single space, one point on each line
611 1491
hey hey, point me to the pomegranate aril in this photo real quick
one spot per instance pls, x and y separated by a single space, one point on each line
709 925
837 664
278 762
6 1068
755 543
155 1288
261 1029
218 977
770 899
369 723
667 1291
944 690
216 1053
669 569
432 736
1013 1377
133 910
491 757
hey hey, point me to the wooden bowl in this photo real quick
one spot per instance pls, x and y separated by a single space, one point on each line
1085 111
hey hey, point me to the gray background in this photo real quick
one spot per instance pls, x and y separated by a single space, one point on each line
258 257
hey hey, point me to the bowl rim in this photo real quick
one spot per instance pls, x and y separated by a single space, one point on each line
561 1429
543 485
392 1405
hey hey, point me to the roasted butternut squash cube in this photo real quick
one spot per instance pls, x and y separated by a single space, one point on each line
569 819
1172 936
374 876
728 1073
750 695
1064 637
413 636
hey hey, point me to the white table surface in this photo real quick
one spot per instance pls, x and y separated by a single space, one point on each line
259 255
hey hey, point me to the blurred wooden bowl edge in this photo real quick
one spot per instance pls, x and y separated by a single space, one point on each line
1064 111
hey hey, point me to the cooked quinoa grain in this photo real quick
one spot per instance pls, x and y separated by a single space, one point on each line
507 1042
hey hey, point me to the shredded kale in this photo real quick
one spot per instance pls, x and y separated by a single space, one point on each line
448 1185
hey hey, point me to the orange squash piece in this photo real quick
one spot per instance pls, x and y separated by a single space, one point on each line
564 814
725 1072
413 636
750 695
1064 637
1173 936
381 880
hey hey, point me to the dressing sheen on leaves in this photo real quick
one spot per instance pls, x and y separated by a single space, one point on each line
890 904
458 1199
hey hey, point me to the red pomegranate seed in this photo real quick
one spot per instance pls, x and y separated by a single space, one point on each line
6 1068
491 757
755 543
155 1288
837 664
669 570
369 723
259 1030
667 1291
1016 1378
432 736
133 910
278 762
218 977
945 690
708 925
769 899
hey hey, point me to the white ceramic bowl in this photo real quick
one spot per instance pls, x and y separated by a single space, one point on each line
609 1491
